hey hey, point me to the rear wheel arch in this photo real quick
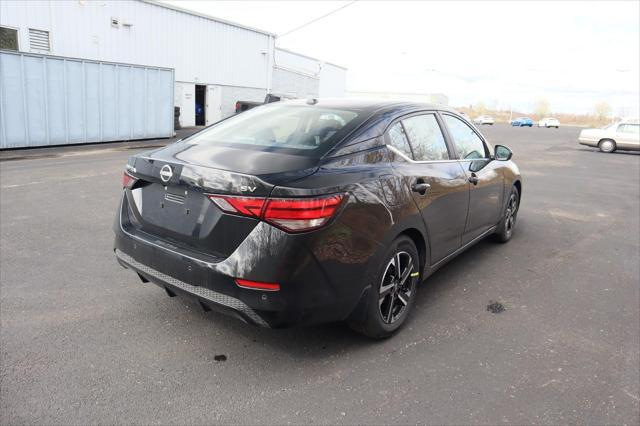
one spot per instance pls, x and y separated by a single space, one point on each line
421 244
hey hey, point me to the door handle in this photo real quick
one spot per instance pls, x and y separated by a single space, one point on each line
420 187
474 179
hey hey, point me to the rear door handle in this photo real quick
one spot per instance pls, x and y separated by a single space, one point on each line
420 187
474 179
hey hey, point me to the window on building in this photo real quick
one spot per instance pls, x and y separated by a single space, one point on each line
8 38
426 138
39 41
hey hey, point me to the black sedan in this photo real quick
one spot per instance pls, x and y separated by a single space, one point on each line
303 212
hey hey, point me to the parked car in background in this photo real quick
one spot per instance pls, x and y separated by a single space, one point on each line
622 135
522 122
484 119
549 122
465 116
307 212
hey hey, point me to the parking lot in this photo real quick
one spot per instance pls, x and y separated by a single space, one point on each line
84 341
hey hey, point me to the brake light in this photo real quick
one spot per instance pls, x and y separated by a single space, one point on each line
301 214
290 214
128 181
257 285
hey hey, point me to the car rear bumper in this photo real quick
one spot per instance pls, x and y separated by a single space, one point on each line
588 141
314 286
210 298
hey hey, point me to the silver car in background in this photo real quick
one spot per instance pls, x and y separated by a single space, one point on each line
484 119
621 135
549 122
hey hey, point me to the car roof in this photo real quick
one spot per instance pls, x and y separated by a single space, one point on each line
368 105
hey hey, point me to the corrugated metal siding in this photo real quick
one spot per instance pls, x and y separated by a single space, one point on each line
296 62
199 49
293 84
47 100
332 81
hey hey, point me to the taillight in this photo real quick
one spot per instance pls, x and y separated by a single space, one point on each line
290 214
246 206
301 214
128 181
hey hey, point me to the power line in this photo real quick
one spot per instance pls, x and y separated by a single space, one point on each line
317 19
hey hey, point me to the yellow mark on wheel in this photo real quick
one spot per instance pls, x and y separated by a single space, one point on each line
415 274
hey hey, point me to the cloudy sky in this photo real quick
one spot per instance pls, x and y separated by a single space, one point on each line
504 54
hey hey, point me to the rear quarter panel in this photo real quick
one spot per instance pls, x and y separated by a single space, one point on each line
378 208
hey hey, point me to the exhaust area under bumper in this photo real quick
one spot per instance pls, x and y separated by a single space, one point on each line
208 297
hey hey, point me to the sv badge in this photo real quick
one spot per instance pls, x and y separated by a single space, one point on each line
247 188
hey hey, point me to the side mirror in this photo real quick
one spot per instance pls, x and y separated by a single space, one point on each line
502 153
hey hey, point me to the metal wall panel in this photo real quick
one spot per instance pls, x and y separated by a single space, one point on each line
294 84
47 100
201 50
332 81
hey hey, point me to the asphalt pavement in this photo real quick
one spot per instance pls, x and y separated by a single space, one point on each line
83 341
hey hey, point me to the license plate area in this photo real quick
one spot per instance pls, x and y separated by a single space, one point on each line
174 208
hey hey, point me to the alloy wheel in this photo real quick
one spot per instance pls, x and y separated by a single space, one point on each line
512 209
396 288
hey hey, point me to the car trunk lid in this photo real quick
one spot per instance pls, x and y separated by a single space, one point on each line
170 199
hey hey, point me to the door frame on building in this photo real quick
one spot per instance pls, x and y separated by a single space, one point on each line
213 104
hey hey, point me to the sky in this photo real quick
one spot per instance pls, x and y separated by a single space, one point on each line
503 54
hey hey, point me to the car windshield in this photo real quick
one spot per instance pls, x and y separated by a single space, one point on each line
293 129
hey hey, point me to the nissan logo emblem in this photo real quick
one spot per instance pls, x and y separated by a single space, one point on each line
166 173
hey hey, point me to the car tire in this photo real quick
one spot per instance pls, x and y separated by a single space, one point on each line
390 299
507 224
607 145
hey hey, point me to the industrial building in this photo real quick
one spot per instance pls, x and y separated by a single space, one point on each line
76 71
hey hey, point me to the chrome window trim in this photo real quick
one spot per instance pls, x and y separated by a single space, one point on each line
473 159
398 152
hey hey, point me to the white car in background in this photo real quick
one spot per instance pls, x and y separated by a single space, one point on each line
622 135
483 119
549 122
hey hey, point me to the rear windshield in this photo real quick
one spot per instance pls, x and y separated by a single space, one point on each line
294 129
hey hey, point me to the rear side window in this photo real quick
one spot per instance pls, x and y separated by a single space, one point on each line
293 129
468 144
398 139
629 128
426 138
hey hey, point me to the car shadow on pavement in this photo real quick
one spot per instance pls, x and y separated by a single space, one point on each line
596 151
337 339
